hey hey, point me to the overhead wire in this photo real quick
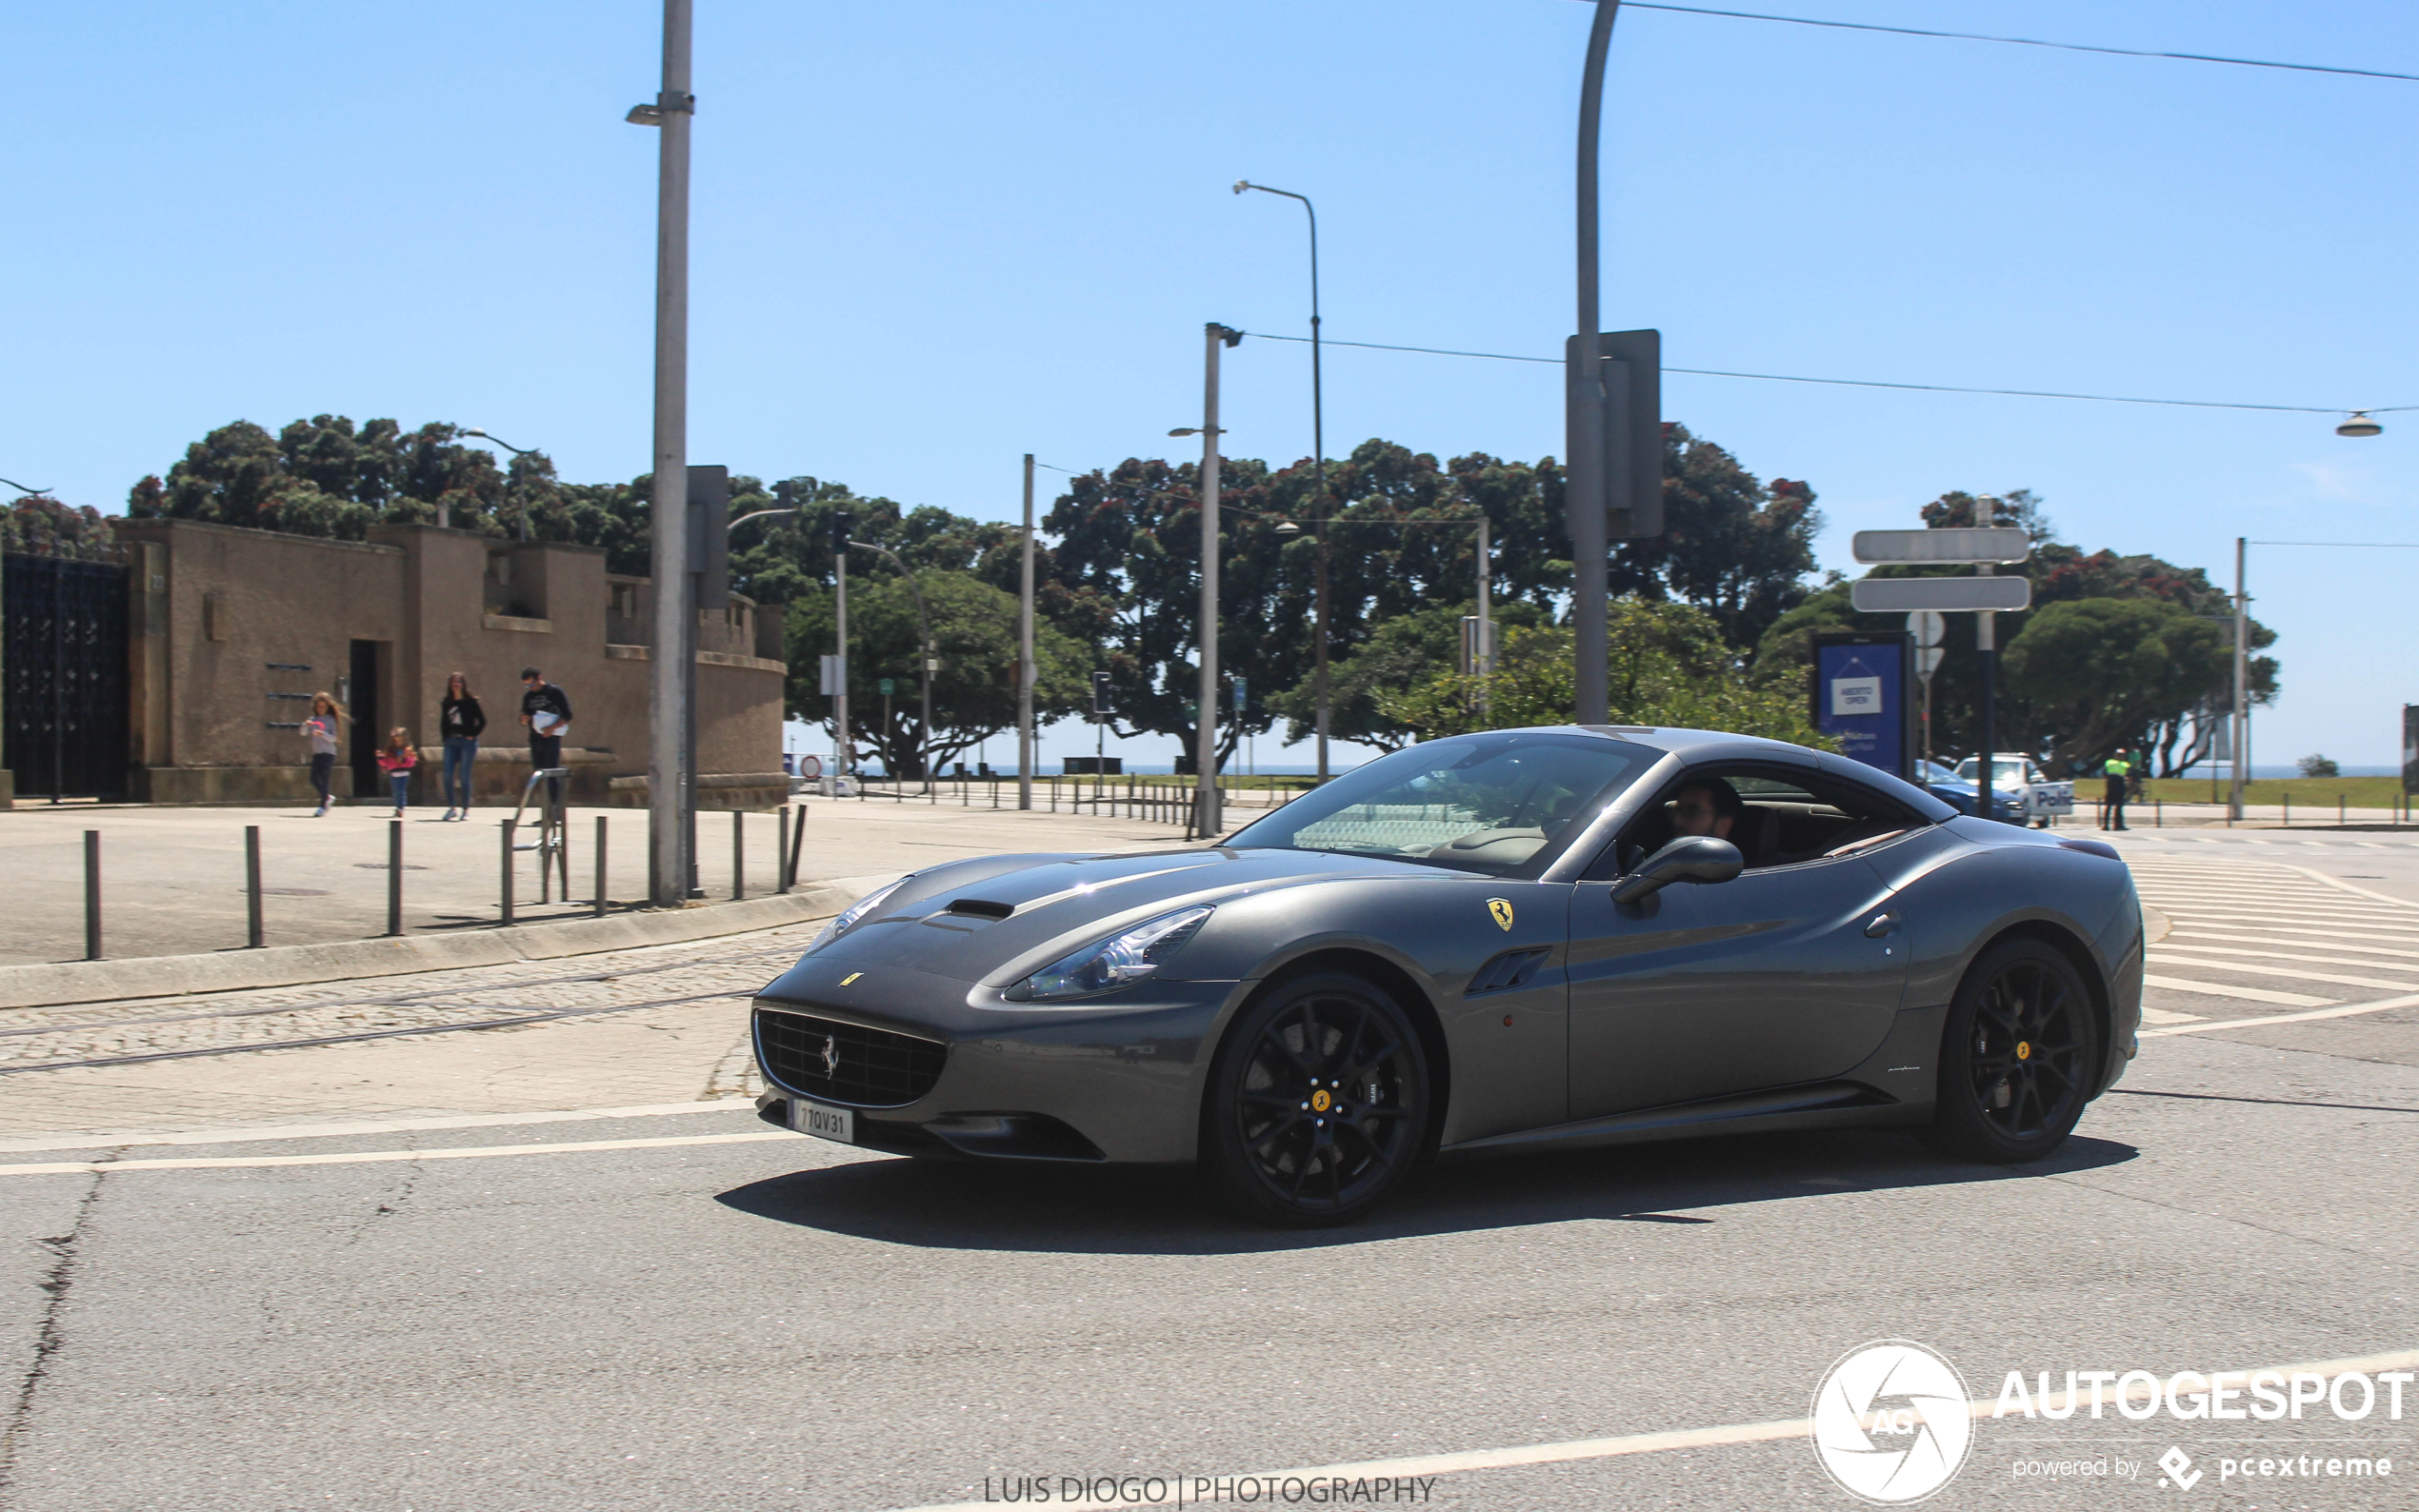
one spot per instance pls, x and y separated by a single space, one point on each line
2031 42
1873 383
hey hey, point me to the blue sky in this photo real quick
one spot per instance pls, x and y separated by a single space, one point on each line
930 238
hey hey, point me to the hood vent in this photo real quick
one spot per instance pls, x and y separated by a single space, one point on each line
980 907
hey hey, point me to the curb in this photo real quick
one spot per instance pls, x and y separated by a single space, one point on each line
56 985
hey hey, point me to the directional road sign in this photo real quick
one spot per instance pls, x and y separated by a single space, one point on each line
1926 626
1997 544
1950 595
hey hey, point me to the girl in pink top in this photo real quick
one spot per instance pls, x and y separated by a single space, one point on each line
396 759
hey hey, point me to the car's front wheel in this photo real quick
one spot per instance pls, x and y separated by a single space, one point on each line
1318 1103
2017 1056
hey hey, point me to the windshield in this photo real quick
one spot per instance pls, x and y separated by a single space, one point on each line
2004 773
1482 803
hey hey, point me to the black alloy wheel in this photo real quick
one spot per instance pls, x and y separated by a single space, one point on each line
2018 1057
1318 1106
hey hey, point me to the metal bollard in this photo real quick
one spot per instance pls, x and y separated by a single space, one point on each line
252 887
738 854
395 876
506 893
2289 810
2339 808
91 895
598 908
781 852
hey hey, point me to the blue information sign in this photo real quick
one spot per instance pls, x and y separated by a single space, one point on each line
1860 698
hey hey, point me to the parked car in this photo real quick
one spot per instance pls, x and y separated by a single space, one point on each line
1944 784
2024 795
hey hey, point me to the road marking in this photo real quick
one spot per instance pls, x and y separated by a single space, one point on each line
2292 973
1579 1449
2198 902
2245 929
2164 1016
2282 955
91 1139
2346 1011
2291 1000
2295 923
199 1163
2325 880
2330 941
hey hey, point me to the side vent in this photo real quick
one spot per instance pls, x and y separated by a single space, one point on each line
980 907
1512 970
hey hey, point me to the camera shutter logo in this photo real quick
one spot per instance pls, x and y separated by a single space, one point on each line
1890 1422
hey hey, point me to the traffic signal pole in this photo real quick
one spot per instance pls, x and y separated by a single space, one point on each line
1583 477
1205 715
668 686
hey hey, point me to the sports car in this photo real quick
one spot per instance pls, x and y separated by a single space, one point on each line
1521 939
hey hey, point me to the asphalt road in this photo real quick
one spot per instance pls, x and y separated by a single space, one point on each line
686 1310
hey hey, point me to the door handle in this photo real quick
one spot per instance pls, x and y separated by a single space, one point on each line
1882 923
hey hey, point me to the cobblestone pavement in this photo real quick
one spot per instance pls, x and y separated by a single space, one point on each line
665 1022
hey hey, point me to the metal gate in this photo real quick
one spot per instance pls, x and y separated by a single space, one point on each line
65 676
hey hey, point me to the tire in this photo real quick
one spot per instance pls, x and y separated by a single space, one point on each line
1342 1042
2018 1057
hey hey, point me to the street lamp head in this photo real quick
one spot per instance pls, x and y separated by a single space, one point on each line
645 115
2359 424
1242 184
476 431
1287 529
1186 430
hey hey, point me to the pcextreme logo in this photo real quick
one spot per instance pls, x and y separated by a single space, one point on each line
1890 1422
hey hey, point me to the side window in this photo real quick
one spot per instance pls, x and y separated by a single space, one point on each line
1777 816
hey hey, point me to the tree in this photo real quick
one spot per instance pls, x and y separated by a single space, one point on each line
974 690
1670 665
1401 657
1739 548
38 525
325 477
2099 671
1126 578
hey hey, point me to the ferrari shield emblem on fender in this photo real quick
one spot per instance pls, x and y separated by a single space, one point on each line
1501 909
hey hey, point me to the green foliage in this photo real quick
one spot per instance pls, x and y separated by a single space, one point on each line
1401 657
2098 670
975 691
1670 668
38 525
325 477
2318 766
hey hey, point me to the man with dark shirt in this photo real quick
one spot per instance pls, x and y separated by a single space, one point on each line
547 711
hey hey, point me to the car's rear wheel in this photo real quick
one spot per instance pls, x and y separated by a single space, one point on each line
1318 1103
2017 1056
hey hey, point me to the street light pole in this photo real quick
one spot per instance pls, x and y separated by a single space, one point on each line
444 511
1582 480
1024 669
1318 471
1485 658
1205 725
668 690
2242 717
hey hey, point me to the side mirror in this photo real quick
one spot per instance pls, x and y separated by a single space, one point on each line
1691 857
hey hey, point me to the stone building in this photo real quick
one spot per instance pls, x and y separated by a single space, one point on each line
229 633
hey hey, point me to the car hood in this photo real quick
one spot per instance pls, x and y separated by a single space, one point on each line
1000 918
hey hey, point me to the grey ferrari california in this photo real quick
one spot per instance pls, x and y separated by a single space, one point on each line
1581 935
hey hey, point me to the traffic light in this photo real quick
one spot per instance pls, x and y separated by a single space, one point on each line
839 532
1100 695
1630 368
710 534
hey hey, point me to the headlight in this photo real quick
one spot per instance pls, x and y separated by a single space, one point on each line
852 914
1116 961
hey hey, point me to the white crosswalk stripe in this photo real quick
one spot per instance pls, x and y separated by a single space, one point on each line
2244 932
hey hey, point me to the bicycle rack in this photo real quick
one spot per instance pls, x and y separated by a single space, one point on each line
553 844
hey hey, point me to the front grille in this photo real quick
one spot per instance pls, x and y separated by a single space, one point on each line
876 1069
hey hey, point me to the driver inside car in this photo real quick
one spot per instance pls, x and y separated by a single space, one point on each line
1709 806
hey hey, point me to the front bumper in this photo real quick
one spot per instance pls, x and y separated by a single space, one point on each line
1115 1079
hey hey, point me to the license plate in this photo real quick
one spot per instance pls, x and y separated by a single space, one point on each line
823 1122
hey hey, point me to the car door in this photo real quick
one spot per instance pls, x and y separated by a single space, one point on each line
1784 974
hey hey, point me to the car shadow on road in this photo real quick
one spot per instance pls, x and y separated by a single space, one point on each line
1103 1210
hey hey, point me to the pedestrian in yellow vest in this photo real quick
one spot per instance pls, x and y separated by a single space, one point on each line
2118 771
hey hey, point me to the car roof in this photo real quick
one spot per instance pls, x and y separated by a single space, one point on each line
1692 746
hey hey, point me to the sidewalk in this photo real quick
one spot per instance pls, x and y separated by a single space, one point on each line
173 879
